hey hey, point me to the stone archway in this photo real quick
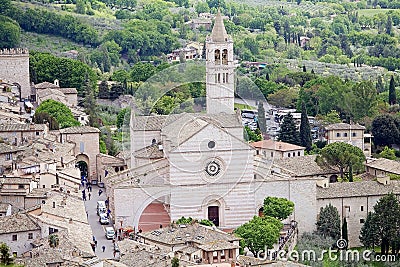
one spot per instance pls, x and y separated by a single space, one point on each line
82 162
213 209
155 215
146 199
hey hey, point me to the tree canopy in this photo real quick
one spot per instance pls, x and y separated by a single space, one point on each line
60 112
10 33
386 130
279 208
341 156
383 225
45 67
259 233
288 132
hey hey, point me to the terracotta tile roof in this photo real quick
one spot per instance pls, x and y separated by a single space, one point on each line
5 148
195 233
39 192
45 85
276 145
302 166
19 222
69 214
218 245
358 189
15 180
69 90
344 126
140 255
17 127
66 253
387 165
79 129
150 152
158 122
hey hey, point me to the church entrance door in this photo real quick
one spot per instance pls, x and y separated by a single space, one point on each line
213 214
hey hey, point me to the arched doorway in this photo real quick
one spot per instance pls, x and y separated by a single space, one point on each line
155 215
213 214
82 162
83 167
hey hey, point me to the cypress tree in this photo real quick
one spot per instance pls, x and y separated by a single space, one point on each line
345 234
261 118
392 92
351 173
305 129
288 132
379 85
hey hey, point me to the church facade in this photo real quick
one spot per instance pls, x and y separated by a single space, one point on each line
199 165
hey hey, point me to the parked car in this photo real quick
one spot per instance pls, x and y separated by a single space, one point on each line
110 233
101 207
103 219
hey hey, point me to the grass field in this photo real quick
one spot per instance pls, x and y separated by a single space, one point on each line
243 106
49 43
372 12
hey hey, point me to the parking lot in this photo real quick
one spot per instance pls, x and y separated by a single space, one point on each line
97 228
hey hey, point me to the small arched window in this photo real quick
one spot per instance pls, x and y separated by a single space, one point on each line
217 56
225 57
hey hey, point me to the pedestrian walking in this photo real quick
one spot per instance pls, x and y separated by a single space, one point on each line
103 248
89 195
100 191
115 252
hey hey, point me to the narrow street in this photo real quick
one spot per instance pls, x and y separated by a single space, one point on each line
97 228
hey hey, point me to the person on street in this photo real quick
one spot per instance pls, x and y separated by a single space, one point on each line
100 191
103 248
89 195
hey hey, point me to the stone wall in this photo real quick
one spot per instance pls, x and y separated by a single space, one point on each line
14 68
22 244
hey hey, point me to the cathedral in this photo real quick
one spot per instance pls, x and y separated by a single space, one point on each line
197 164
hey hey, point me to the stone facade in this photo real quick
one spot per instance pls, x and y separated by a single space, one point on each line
271 149
19 134
86 149
14 68
349 133
354 200
18 231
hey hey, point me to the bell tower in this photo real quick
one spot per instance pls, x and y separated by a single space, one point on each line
220 69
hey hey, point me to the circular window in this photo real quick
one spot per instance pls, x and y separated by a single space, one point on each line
213 168
211 144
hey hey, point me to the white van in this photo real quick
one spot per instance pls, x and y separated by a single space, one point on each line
110 232
101 207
